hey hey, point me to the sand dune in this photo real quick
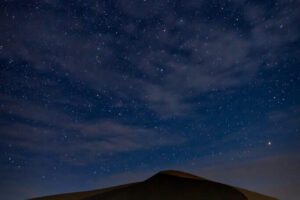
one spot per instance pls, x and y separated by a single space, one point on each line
165 185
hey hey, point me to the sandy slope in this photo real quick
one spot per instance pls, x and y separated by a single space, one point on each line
165 185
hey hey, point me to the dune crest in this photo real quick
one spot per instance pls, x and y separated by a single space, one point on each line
166 185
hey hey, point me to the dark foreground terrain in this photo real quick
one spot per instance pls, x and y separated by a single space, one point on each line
166 185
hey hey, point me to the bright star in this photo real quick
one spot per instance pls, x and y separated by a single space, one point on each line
269 143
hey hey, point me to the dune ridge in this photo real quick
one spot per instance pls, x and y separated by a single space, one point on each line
166 185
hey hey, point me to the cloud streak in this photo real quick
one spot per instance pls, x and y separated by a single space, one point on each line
58 134
210 57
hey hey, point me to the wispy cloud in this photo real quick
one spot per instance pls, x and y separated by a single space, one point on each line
213 57
53 132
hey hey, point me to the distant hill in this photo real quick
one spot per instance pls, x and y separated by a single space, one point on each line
165 185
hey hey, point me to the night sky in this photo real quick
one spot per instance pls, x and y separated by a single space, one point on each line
101 93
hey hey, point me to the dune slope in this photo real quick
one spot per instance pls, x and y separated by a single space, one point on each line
166 185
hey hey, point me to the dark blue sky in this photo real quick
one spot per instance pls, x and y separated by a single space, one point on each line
99 93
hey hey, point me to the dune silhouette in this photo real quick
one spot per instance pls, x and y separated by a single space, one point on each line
165 185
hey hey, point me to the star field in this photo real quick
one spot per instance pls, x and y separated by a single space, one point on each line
101 93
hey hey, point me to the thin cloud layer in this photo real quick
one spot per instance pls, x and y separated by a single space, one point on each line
96 89
211 56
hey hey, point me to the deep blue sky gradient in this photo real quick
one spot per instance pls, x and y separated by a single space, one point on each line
100 93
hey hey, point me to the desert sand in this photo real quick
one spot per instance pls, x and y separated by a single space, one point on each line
165 185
